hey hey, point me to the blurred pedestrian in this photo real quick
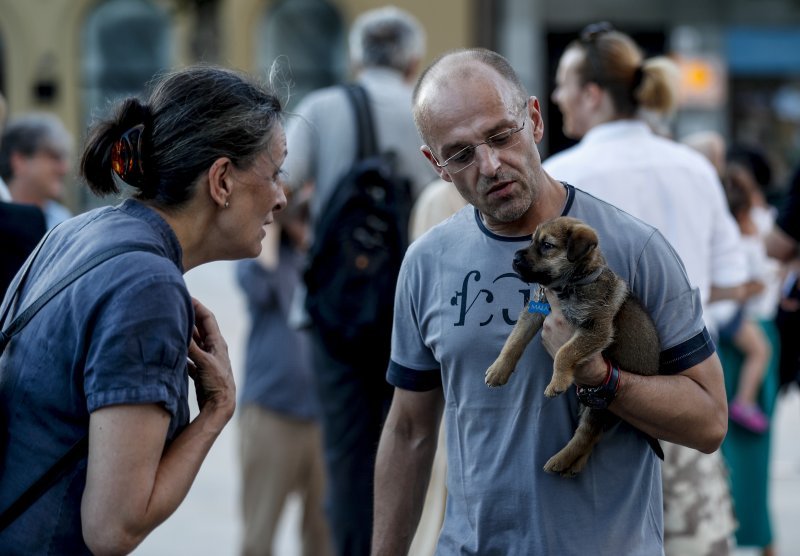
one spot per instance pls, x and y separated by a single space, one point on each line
749 348
99 375
783 243
21 226
35 152
386 47
279 431
783 240
603 81
456 304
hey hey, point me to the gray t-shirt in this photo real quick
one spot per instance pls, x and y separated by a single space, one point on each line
457 301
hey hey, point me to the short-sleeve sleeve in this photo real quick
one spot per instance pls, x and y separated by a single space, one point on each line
412 365
138 347
662 285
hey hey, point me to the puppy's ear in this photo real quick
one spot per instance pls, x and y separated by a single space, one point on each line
580 242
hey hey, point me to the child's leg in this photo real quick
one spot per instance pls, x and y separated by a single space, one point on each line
752 342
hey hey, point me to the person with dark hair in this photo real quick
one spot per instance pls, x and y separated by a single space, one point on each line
456 304
387 45
106 363
21 226
783 243
603 84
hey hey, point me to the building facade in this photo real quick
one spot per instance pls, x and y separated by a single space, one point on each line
72 57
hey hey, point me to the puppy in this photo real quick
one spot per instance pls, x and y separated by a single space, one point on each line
565 260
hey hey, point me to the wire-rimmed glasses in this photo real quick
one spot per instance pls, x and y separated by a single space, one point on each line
465 158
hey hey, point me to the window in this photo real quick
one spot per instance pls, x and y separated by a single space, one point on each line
307 39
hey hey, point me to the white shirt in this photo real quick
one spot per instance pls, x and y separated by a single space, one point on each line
666 184
5 194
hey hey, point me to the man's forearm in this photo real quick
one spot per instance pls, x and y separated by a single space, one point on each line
680 408
402 473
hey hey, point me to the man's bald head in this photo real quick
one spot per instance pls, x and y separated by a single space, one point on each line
452 70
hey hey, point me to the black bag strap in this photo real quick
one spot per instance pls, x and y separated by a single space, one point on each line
365 125
48 479
43 483
23 318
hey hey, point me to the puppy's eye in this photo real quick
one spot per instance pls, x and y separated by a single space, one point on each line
545 246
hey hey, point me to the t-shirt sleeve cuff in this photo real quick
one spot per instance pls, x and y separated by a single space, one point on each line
149 394
412 379
688 354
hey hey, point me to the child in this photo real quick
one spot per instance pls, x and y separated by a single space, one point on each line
748 207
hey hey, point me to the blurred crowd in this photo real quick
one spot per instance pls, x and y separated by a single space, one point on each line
310 419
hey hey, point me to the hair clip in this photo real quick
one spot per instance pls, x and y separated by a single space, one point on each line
594 30
126 155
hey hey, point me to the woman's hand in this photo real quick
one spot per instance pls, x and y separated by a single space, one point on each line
210 366
132 482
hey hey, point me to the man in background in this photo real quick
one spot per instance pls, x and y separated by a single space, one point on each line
21 227
35 152
386 48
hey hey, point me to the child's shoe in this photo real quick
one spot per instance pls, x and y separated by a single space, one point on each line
749 416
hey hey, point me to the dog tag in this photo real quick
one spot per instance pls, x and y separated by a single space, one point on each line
539 307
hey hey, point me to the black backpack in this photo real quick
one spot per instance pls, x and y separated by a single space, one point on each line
359 241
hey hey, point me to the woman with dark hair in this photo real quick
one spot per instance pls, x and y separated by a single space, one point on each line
106 362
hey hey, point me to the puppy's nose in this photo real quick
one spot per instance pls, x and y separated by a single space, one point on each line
519 258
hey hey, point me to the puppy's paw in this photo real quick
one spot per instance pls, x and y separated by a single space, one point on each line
558 385
497 375
566 464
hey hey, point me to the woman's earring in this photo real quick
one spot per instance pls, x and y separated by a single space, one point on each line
227 204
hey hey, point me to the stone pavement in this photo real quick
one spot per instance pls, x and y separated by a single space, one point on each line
207 523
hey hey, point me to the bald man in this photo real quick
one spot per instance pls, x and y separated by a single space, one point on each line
456 303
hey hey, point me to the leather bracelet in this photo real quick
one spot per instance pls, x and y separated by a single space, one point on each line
599 397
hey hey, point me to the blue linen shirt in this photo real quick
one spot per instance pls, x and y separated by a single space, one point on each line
117 335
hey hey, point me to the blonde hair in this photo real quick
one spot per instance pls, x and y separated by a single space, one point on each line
614 61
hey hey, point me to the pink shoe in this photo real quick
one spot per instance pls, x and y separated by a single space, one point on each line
749 416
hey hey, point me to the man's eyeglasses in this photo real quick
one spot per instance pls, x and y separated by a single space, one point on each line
464 158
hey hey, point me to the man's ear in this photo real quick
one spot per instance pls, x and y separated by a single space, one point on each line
220 181
535 113
17 162
442 172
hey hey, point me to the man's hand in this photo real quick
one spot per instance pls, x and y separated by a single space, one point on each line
556 331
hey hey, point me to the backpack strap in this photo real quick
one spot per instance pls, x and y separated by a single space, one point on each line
365 125
79 449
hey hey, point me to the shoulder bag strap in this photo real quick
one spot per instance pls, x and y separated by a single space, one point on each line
43 483
22 319
79 449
